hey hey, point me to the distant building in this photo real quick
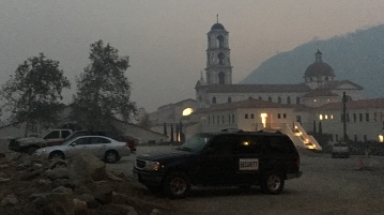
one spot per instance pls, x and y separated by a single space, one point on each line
312 106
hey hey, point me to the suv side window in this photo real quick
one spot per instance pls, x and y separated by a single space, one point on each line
223 145
53 135
280 145
249 145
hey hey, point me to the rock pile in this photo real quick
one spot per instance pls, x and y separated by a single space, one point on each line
35 186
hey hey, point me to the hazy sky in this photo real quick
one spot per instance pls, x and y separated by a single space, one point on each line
166 39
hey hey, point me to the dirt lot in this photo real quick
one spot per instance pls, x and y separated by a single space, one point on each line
328 186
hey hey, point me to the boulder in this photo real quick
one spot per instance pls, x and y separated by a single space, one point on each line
63 190
123 209
65 183
89 199
102 193
4 177
31 175
87 168
80 207
58 163
9 200
53 203
57 173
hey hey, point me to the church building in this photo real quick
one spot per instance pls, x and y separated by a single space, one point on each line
314 105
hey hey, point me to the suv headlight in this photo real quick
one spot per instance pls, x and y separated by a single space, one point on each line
153 165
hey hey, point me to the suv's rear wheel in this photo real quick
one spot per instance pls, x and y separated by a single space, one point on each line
272 183
176 185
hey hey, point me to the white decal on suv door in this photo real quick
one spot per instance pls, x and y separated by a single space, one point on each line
248 164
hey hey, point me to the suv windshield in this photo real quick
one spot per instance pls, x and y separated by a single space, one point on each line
196 143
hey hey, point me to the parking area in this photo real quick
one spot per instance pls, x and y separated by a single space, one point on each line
328 186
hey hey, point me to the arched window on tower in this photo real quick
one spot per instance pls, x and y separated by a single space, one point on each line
214 100
260 98
270 99
289 100
279 100
297 100
221 57
220 41
221 78
229 100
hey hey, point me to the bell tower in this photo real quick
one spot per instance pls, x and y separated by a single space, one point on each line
219 69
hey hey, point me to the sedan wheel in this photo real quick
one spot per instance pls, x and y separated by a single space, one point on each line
56 155
111 157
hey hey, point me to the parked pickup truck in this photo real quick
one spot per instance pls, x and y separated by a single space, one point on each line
340 150
31 144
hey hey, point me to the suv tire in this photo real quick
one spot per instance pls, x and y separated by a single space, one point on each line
176 185
272 183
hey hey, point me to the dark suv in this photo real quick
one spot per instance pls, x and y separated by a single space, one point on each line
229 159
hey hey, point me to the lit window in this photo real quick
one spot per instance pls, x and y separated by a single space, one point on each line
328 100
321 116
381 138
264 119
325 116
314 100
331 116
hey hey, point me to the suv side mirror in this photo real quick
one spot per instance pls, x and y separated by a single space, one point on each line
73 144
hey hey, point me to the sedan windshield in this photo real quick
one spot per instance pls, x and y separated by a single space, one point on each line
196 143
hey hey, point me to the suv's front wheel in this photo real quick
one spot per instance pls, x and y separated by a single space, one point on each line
176 185
272 183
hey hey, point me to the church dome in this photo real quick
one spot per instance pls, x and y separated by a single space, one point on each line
217 26
319 68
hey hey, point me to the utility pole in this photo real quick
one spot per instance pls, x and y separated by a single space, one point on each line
345 116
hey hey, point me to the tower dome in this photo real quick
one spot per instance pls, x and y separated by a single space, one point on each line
217 26
319 69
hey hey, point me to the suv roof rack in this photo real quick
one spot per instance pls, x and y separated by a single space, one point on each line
269 131
232 130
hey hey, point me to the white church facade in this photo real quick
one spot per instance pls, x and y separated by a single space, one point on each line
312 106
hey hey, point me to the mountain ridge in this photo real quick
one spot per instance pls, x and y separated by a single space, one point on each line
357 56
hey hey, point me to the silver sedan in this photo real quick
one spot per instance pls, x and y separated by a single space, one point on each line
105 148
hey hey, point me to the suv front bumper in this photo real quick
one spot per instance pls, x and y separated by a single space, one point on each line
151 178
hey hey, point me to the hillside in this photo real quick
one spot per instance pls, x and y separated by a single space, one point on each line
357 56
